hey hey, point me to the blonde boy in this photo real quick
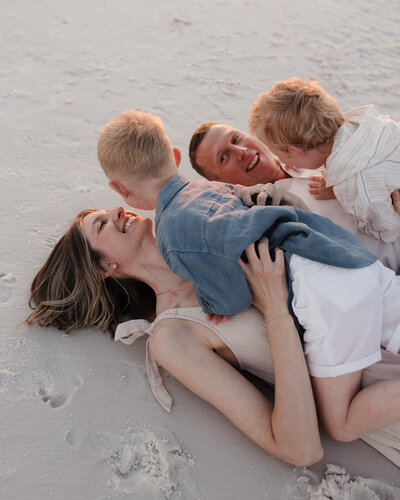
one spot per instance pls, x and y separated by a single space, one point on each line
304 127
137 157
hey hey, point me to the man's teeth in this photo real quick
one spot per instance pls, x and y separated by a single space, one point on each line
128 224
253 162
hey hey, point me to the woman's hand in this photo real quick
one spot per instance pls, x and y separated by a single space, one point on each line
267 280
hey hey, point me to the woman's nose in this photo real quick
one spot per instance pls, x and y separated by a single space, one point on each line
118 213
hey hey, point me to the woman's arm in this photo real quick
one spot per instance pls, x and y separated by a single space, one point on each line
294 416
287 429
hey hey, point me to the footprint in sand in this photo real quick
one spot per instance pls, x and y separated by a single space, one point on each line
59 398
151 463
7 283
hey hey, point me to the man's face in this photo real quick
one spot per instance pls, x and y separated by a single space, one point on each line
235 157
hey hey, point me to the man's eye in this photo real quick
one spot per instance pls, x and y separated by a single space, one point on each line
222 158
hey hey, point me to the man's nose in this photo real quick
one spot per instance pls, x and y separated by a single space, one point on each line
241 152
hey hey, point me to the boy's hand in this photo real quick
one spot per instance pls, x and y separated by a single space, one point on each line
217 318
396 200
317 187
268 194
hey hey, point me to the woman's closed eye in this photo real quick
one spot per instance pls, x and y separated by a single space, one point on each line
101 225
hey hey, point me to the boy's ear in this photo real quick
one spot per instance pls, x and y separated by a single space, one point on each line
296 152
120 188
177 156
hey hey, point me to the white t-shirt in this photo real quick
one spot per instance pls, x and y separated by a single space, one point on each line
387 253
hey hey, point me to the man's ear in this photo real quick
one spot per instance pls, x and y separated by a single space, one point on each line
296 152
120 188
177 156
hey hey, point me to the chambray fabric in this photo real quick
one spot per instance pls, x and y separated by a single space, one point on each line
202 228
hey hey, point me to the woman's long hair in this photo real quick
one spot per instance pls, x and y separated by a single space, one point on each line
69 291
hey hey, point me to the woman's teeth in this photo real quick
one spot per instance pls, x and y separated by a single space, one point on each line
128 224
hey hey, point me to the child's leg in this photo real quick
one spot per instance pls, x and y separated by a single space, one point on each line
317 187
348 412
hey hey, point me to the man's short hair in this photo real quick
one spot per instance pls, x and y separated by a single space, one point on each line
195 142
135 143
295 113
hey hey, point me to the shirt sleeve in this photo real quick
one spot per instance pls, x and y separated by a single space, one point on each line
368 199
227 293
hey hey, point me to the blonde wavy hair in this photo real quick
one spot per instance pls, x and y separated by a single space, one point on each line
295 112
69 291
134 143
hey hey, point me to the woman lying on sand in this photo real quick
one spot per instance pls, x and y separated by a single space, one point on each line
91 279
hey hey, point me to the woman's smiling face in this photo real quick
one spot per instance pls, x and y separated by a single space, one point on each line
118 236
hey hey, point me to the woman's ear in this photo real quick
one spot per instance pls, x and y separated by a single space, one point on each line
108 269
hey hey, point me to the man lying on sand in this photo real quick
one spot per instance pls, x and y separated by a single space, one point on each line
223 153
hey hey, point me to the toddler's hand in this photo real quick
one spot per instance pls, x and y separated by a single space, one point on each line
396 200
318 189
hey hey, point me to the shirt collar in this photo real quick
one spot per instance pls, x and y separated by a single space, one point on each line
169 191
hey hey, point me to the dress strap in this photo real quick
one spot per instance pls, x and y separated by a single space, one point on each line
128 332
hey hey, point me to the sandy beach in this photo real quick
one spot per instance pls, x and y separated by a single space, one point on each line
77 417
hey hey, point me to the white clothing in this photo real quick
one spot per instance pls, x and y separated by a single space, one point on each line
387 253
246 335
347 314
364 169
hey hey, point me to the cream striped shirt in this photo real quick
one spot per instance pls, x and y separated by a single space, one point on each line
364 169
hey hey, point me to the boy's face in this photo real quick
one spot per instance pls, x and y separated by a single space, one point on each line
230 155
299 157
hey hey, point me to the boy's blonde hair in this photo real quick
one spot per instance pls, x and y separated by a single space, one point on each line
134 144
295 113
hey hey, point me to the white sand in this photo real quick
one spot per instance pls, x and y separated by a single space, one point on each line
77 418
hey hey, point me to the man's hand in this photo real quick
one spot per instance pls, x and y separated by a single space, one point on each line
396 200
268 194
317 187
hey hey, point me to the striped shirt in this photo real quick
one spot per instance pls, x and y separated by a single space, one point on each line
364 169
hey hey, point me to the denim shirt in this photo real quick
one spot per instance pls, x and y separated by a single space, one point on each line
202 228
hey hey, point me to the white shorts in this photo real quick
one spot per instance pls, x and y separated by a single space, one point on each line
347 314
